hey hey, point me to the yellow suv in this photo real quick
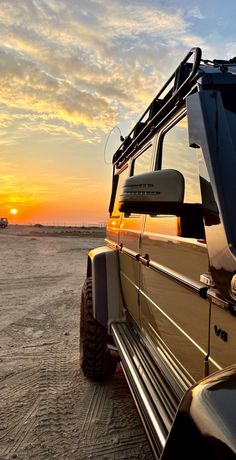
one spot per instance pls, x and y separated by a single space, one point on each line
161 294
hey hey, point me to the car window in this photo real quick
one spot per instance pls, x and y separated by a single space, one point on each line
121 178
143 163
176 154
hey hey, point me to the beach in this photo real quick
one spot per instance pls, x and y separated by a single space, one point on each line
49 410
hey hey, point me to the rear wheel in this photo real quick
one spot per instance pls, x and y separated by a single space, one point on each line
96 360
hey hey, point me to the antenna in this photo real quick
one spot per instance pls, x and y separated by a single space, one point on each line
107 139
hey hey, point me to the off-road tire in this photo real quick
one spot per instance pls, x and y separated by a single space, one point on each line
95 357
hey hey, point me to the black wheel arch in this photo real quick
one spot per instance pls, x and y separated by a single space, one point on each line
205 423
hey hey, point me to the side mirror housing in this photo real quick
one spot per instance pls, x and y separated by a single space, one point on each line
155 192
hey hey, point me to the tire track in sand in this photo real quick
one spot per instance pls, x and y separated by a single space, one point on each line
111 428
18 434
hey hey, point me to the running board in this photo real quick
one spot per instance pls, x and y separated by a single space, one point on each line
155 401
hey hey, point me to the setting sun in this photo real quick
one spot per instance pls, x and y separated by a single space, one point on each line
14 211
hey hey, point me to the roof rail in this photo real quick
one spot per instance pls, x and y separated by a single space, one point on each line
182 77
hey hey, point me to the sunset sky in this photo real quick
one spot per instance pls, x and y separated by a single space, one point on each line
70 71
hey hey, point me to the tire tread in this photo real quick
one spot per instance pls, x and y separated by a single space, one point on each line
96 361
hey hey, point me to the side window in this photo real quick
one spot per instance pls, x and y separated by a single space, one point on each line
140 164
176 154
143 163
119 183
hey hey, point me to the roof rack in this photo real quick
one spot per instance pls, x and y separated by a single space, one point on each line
182 78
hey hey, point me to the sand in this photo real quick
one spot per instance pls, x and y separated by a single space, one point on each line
48 409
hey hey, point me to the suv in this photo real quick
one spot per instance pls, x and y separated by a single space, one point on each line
161 295
3 222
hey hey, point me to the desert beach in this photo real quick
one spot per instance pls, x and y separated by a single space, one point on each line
48 409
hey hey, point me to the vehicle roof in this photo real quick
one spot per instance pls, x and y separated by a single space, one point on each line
181 83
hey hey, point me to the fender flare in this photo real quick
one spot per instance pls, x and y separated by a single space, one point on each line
103 267
205 423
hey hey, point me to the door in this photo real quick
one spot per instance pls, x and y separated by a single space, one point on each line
129 239
173 314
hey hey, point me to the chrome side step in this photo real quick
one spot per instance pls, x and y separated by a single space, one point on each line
155 401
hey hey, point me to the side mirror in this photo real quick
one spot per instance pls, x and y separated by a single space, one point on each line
155 192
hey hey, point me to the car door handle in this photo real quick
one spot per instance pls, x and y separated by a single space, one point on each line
144 259
207 279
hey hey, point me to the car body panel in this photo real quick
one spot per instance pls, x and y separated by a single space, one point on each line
168 309
131 228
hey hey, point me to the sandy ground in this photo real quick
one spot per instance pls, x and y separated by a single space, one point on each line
48 409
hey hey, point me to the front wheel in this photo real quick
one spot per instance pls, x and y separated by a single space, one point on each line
96 360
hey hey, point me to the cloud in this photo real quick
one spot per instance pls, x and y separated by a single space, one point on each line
195 12
121 18
83 63
25 86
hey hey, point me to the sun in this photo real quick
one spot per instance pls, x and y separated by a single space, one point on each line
14 211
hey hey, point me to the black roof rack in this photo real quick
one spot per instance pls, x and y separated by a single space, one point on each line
182 78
